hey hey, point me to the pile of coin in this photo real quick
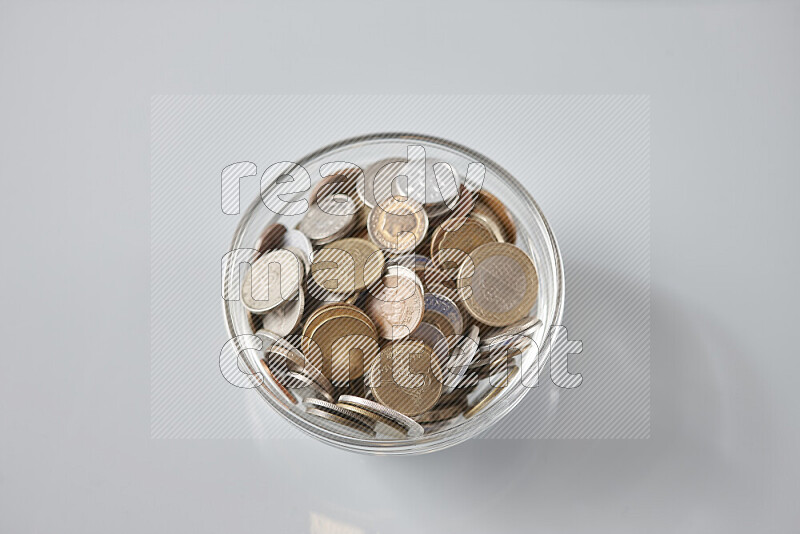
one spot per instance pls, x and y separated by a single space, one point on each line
394 317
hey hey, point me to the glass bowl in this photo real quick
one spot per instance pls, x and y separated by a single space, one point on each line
534 236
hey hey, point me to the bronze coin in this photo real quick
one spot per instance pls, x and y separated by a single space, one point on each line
342 182
270 238
287 395
397 306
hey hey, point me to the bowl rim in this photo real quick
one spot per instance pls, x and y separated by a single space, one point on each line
505 401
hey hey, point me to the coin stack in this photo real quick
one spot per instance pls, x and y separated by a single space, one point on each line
391 318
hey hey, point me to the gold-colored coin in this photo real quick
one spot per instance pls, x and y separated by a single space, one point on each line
441 414
492 393
455 239
398 226
341 341
489 205
407 377
500 285
347 265
491 223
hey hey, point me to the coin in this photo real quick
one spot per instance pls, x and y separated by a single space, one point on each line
495 364
443 412
432 337
284 319
397 306
341 340
415 262
303 382
524 326
322 227
490 206
457 397
302 257
295 239
411 427
287 395
397 226
270 238
335 414
500 285
342 182
491 224
347 265
377 180
405 272
295 371
443 184
406 377
438 306
491 394
517 343
456 238
272 279
462 355
279 353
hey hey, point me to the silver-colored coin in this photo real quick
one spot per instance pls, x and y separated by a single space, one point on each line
302 257
298 382
340 415
446 307
382 425
282 356
525 327
462 355
295 239
316 376
413 428
405 272
442 187
378 179
342 424
512 342
273 279
284 319
322 227
415 262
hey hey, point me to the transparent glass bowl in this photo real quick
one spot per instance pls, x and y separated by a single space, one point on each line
534 236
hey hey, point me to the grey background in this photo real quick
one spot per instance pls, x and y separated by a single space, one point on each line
586 160
75 451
